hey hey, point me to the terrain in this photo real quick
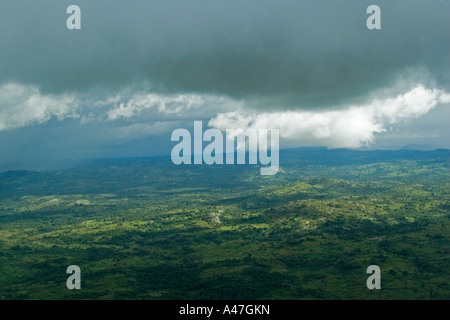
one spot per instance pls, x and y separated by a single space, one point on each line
148 229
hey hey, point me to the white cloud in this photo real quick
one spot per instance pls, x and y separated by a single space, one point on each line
175 106
22 105
159 103
351 127
148 114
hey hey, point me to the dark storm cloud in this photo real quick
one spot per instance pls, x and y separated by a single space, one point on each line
283 53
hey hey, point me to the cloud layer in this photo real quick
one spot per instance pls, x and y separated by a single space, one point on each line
165 107
351 127
21 106
297 54
145 114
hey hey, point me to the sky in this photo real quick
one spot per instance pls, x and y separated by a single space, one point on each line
137 70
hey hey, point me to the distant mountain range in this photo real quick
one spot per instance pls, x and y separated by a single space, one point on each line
416 146
112 175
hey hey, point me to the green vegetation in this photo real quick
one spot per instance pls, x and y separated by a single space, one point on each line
147 229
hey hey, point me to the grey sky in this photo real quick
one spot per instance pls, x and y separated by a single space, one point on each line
260 56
